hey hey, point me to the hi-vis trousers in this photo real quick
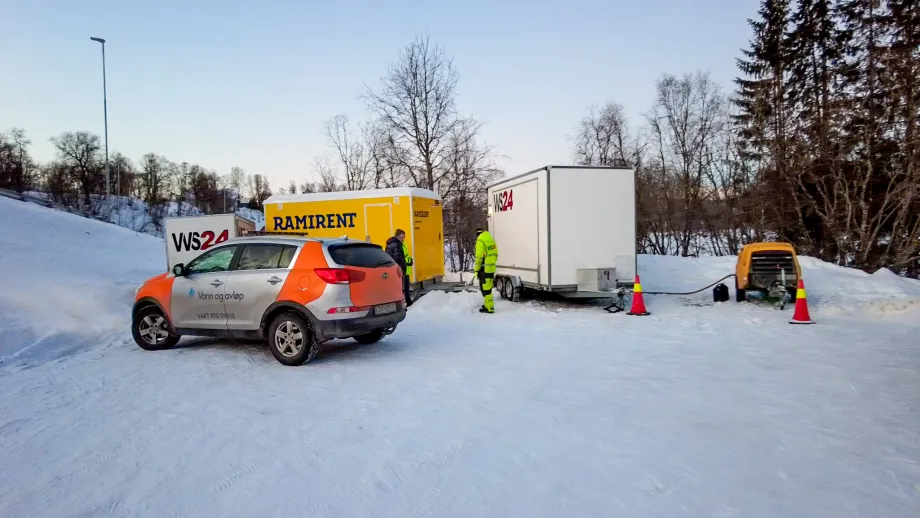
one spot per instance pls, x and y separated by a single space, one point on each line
486 281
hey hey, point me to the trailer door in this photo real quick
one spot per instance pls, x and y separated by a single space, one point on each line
427 240
378 223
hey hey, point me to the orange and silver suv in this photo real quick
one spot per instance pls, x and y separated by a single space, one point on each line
294 292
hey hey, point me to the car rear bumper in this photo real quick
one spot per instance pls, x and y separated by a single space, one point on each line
347 328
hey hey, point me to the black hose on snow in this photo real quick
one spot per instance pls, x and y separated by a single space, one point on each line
689 292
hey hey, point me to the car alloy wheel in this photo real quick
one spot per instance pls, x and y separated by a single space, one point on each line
289 339
153 329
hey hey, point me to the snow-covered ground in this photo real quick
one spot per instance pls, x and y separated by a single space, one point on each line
543 409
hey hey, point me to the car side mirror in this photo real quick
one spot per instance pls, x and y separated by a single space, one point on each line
178 270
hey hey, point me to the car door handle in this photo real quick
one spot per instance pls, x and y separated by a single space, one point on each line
275 280
216 283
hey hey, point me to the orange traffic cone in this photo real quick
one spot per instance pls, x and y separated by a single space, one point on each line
801 315
638 305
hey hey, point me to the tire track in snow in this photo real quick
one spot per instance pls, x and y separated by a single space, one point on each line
220 488
240 474
426 505
107 509
95 462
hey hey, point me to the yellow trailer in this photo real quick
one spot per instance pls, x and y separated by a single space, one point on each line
372 216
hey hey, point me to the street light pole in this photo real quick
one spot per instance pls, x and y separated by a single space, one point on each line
105 112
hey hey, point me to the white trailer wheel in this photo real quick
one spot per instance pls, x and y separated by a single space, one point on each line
508 290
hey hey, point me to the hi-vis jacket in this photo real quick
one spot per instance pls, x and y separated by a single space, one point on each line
486 253
408 260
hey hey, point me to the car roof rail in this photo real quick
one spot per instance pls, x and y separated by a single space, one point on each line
264 233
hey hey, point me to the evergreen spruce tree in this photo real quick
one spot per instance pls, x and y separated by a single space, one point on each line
903 27
761 100
814 50
863 71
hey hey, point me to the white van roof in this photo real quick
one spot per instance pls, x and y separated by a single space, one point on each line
351 195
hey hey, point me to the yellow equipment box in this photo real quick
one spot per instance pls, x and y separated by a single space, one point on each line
372 216
767 267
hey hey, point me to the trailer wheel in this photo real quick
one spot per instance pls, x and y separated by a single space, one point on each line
508 290
740 295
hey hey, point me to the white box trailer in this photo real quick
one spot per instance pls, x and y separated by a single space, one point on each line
187 237
565 229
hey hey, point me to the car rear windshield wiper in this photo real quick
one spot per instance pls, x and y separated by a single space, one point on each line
384 263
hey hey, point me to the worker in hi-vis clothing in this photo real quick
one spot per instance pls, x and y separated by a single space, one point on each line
407 280
397 249
486 259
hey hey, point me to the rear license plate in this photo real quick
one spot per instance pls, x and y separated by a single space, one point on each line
383 309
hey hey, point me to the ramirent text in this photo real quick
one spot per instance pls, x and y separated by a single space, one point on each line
314 221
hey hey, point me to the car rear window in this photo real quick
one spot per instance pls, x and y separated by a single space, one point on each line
362 255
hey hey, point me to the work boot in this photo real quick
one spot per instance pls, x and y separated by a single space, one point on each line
484 310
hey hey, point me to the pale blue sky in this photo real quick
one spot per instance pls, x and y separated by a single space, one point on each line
250 83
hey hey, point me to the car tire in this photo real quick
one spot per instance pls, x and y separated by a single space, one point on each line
370 338
151 330
291 339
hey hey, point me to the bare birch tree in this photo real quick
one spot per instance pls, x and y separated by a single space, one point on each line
603 138
80 151
416 102
685 122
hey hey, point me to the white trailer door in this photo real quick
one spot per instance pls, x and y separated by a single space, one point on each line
516 228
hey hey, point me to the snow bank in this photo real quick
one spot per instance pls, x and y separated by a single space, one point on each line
838 290
135 214
66 279
442 303
831 289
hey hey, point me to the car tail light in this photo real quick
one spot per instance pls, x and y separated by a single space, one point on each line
399 273
350 309
339 275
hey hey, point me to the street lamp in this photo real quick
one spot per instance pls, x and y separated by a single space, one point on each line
105 113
